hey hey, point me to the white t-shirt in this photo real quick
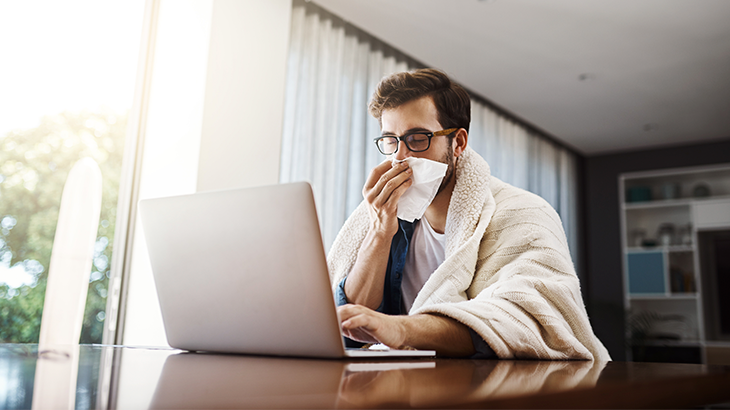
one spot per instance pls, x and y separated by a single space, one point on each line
426 252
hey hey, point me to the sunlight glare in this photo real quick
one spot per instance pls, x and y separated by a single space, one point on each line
60 56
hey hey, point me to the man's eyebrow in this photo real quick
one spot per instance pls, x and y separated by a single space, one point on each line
408 131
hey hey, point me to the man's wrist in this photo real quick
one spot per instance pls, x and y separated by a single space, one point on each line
379 238
433 331
404 329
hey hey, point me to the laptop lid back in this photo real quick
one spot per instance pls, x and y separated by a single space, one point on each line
243 271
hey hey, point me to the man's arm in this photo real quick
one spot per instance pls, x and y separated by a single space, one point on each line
446 336
364 284
384 187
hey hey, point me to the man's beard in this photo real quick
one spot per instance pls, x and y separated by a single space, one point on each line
447 159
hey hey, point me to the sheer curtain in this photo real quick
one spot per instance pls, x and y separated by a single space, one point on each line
530 161
332 72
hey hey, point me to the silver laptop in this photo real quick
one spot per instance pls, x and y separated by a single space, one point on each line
244 271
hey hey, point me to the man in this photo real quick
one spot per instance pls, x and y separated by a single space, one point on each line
485 273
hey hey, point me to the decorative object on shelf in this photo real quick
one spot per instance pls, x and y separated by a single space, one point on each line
665 234
684 235
638 194
648 243
637 237
681 281
676 275
701 190
671 190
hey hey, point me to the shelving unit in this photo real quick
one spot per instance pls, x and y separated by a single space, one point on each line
662 214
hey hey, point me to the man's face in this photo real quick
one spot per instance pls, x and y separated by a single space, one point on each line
419 115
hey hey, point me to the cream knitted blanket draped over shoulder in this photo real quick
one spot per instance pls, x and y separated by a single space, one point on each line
508 273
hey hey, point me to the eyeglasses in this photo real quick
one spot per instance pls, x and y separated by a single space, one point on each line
416 141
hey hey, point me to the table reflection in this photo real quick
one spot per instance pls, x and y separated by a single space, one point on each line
190 380
107 377
461 382
199 380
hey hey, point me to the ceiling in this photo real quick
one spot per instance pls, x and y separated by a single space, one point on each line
599 75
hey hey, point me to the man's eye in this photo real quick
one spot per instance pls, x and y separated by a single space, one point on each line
418 138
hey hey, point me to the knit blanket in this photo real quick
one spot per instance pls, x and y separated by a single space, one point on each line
508 274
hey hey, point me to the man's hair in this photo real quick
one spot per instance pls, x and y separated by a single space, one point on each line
451 100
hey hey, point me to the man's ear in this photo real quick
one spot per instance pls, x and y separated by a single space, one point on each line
460 140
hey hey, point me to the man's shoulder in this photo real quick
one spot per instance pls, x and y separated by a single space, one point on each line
510 197
519 210
515 205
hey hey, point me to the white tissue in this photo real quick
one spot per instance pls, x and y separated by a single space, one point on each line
427 176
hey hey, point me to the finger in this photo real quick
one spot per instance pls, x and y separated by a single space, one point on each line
383 183
345 312
355 315
360 336
386 177
358 321
399 183
376 173
397 193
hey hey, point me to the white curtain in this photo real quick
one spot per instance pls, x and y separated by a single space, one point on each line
332 72
529 161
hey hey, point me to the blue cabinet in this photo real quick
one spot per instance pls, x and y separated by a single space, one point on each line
646 273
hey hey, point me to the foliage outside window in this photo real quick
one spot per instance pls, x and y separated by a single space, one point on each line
34 164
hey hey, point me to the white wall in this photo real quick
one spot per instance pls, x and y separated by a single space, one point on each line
244 95
214 121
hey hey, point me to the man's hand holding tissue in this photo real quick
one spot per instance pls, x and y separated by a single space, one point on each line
382 191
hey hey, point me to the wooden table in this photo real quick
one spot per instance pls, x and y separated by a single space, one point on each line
107 377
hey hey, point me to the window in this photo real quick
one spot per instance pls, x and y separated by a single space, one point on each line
67 83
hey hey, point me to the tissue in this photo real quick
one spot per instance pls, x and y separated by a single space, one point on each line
427 176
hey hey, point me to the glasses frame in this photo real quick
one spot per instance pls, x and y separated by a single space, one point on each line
403 137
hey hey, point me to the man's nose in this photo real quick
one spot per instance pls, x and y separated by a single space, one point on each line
403 151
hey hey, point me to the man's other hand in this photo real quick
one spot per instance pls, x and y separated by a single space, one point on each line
366 325
422 331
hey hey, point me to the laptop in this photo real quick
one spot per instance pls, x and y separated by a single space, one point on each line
244 271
